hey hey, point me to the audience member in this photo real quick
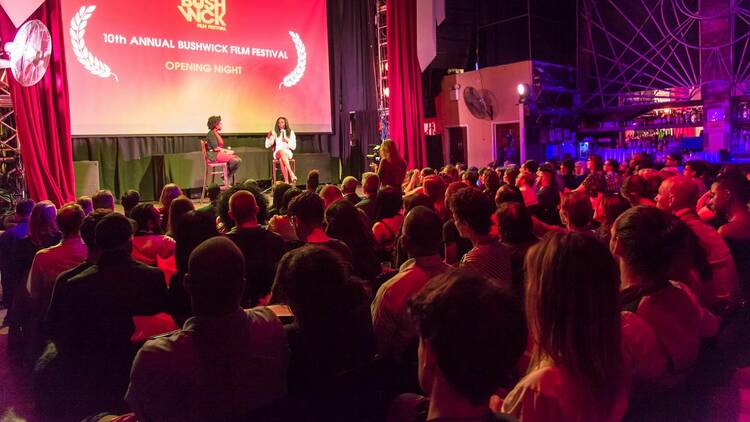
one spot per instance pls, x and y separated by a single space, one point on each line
261 200
368 204
213 191
567 171
612 176
129 201
730 195
103 199
491 182
280 224
548 195
177 208
148 242
191 230
511 174
517 234
679 195
332 331
277 194
345 223
261 248
306 213
576 212
577 370
607 211
507 193
663 321
313 180
525 184
389 219
462 360
8 241
637 191
168 193
392 168
434 188
225 361
86 204
330 194
454 246
472 213
394 330
696 171
51 262
349 189
98 317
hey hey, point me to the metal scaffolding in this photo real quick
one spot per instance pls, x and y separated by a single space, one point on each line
381 34
11 169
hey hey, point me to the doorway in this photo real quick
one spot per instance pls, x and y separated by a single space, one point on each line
457 140
506 142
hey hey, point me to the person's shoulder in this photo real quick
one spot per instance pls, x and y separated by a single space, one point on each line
548 381
67 275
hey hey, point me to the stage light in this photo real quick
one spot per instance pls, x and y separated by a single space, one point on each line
523 92
386 92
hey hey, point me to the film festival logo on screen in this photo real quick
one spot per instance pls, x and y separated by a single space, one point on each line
208 14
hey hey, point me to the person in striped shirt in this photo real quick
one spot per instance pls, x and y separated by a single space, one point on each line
472 213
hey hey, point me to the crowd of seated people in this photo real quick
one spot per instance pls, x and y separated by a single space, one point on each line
532 292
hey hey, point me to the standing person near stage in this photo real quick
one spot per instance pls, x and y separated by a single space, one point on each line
284 141
392 168
216 152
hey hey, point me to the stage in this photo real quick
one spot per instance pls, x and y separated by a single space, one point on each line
147 164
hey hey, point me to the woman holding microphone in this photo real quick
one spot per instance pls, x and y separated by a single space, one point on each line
284 142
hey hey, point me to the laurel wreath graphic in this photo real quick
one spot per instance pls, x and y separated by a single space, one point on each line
82 53
299 71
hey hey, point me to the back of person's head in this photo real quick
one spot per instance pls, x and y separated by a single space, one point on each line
696 168
88 227
69 219
190 231
650 241
114 233
452 188
676 193
492 180
216 277
43 223
177 208
530 166
146 218
311 280
507 193
635 187
222 205
434 188
514 223
250 184
330 194
613 164
344 222
370 183
279 189
24 208
610 207
458 315
471 177
573 315
473 208
389 202
287 198
86 203
389 151
243 207
307 208
349 184
422 232
576 210
130 200
596 162
568 165
213 191
103 199
416 200
313 180
168 193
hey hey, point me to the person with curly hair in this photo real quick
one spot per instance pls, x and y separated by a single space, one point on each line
215 151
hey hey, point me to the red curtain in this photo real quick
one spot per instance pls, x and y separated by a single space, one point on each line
405 81
42 115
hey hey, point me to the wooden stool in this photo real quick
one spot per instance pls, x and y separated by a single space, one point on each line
276 166
212 169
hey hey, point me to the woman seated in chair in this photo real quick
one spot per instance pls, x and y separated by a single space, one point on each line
284 142
215 151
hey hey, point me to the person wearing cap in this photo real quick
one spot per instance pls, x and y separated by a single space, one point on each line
97 326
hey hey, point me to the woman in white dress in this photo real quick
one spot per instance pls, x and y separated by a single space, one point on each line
284 141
